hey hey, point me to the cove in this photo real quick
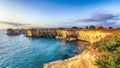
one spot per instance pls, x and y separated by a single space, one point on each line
19 51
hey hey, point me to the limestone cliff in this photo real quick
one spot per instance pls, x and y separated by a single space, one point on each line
88 57
61 34
89 35
29 33
92 36
84 60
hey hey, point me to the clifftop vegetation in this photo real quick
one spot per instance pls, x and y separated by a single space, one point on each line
110 57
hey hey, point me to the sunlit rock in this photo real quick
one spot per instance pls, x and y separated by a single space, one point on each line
85 60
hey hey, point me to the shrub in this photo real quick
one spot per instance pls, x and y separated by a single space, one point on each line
110 57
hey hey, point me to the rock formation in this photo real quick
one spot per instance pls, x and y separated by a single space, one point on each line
92 36
13 31
85 60
88 35
40 33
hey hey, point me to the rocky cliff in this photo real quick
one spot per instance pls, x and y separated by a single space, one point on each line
88 57
92 36
85 60
89 35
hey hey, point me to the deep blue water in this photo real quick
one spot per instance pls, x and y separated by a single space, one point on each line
19 51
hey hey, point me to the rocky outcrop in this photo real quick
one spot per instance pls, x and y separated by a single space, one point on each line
92 36
88 35
61 34
41 33
85 60
15 31
72 35
29 33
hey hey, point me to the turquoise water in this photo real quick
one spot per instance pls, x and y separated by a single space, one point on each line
19 51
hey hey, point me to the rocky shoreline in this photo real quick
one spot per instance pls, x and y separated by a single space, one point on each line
84 60
91 36
69 34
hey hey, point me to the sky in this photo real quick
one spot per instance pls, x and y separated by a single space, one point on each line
59 13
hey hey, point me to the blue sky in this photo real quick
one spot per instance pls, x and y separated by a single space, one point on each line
59 13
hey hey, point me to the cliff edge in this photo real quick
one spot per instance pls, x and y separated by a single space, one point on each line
85 60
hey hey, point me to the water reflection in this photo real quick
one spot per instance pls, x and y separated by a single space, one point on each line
63 42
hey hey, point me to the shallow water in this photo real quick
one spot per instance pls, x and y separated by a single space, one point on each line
19 51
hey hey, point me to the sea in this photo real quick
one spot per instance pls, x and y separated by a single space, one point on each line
19 51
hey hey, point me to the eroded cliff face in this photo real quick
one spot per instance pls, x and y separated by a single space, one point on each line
29 33
87 59
88 35
92 36
61 34
84 60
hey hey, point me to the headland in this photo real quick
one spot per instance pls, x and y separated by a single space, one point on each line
93 36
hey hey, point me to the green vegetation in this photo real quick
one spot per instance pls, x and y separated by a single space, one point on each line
110 57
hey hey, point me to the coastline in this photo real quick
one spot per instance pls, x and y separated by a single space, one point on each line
87 59
84 60
93 37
